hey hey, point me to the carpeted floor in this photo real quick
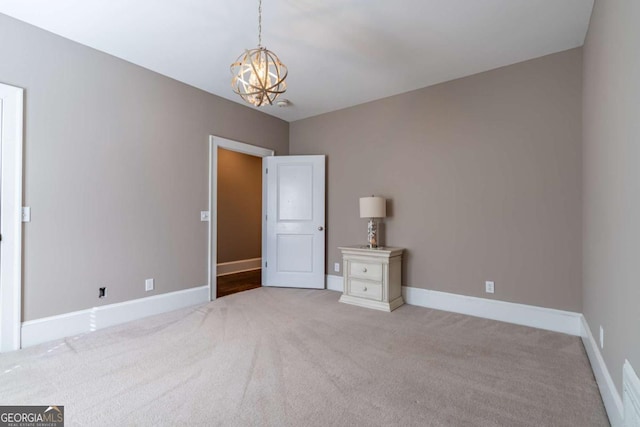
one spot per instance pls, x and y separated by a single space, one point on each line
292 357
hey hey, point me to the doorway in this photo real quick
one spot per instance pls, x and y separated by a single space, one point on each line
239 224
218 255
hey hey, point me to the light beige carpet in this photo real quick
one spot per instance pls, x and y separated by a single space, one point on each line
291 357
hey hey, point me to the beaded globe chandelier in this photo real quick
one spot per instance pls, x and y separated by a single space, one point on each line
258 74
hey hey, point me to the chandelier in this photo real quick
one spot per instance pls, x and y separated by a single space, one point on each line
258 74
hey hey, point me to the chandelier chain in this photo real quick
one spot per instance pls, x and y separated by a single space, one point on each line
259 22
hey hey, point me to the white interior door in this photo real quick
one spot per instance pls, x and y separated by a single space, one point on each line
295 236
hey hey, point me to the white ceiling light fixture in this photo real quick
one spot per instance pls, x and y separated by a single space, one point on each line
258 74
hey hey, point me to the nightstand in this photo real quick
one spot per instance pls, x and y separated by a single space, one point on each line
372 277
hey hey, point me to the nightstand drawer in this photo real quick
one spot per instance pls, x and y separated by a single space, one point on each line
365 270
362 289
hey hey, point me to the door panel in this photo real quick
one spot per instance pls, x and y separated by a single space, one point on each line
295 253
295 201
295 204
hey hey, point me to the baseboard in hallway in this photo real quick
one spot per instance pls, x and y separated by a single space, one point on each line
239 266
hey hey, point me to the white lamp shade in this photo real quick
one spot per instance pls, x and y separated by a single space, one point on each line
373 207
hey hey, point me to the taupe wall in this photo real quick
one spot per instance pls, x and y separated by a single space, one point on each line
116 170
239 206
483 176
612 181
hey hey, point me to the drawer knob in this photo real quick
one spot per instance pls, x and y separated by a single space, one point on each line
364 269
364 289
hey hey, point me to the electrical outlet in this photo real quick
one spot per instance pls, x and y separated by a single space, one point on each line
489 287
601 337
204 216
149 284
336 267
102 292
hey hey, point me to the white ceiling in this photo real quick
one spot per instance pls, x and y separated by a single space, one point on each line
339 52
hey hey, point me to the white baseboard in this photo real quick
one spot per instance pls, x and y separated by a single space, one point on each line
232 267
610 396
630 395
64 325
550 319
335 283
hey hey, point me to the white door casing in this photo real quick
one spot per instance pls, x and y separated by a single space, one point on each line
11 122
295 221
216 142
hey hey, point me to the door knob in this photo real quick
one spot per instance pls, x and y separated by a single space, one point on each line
320 228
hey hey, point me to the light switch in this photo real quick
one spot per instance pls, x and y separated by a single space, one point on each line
204 216
26 214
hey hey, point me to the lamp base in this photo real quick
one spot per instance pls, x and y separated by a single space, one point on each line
372 233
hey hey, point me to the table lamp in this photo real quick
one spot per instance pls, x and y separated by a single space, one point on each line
373 208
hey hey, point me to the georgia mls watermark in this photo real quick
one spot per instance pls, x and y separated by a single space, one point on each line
31 416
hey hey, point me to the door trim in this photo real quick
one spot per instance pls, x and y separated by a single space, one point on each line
216 142
11 141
